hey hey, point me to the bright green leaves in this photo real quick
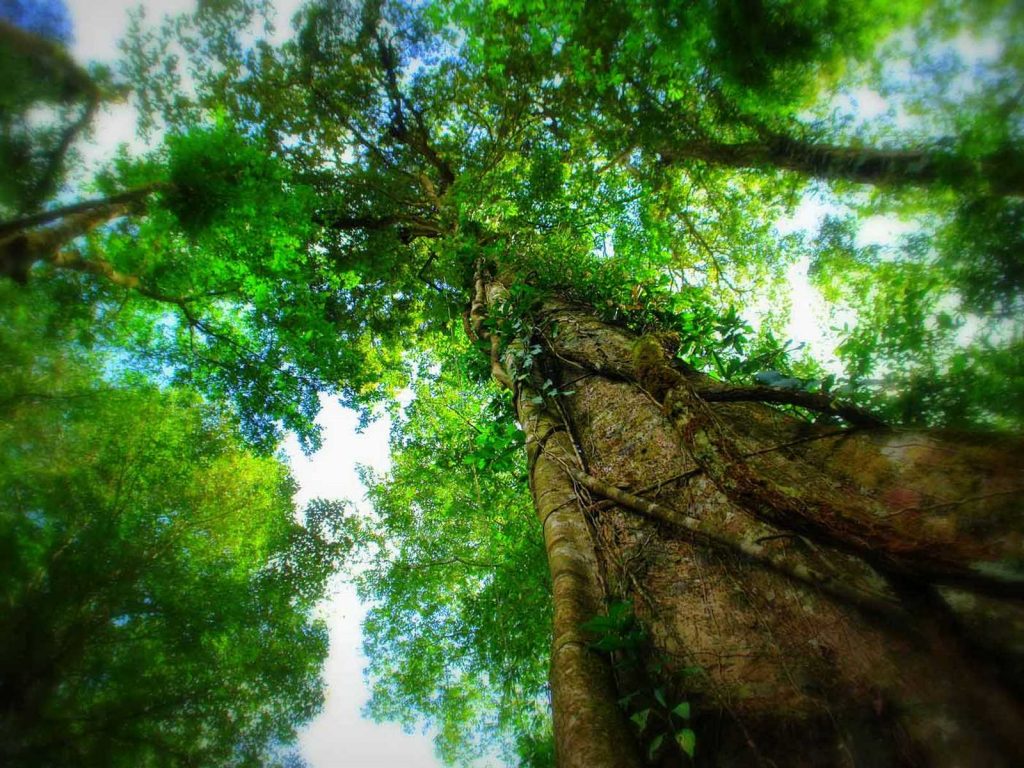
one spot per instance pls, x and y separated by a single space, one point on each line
459 633
228 283
682 710
157 590
687 741
215 174
495 447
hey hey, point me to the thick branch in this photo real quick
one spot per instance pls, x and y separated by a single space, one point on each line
417 137
873 603
814 401
47 183
25 223
865 165
18 252
74 261
409 227
795 498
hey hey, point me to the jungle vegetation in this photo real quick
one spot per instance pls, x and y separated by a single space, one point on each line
628 520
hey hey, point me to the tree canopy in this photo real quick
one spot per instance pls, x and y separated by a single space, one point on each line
313 219
158 589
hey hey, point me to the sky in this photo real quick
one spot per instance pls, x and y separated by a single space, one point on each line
339 737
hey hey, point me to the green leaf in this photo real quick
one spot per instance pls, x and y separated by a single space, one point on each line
682 709
659 694
640 718
687 741
655 745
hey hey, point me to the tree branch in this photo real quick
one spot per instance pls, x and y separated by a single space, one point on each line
25 223
871 602
814 401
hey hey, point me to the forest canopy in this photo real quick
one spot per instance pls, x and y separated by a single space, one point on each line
504 210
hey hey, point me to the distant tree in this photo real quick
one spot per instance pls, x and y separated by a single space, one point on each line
219 260
40 74
457 579
158 592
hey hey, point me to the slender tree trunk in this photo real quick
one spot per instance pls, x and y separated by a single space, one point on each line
590 729
865 165
746 542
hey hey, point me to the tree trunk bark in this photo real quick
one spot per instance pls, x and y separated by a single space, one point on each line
716 519
590 729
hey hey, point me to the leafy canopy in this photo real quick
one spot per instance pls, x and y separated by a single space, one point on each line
158 593
318 207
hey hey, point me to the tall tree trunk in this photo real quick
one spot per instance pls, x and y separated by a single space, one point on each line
590 729
819 596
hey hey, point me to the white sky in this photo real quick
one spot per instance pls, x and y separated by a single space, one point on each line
339 737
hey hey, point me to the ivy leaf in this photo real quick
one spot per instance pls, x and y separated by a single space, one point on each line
640 718
687 741
659 694
655 745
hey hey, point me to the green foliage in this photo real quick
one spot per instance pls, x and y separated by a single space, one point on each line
776 49
992 231
45 102
213 173
236 293
664 729
459 632
157 591
321 206
925 345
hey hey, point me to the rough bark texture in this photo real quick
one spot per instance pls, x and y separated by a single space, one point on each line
779 672
590 730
